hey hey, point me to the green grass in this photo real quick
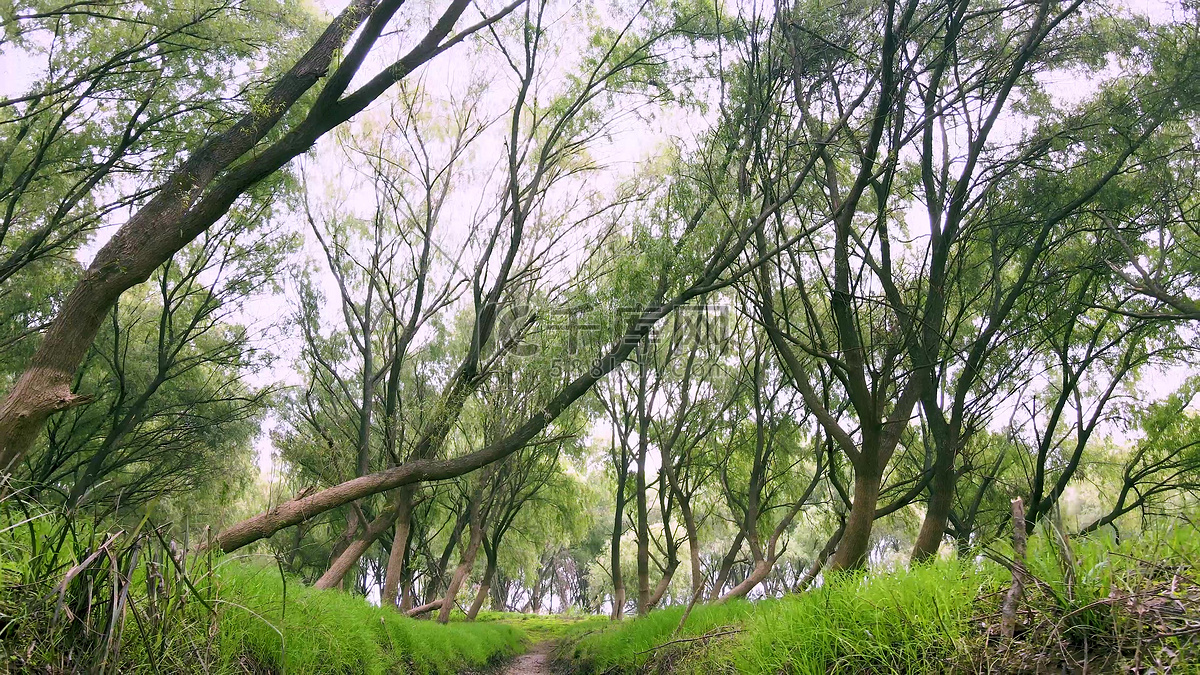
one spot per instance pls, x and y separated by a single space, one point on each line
226 615
333 632
900 622
935 618
878 624
544 628
627 645
1133 602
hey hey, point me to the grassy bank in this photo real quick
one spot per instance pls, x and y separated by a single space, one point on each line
333 632
73 600
871 625
1092 601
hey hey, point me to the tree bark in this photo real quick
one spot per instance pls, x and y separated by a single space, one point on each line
664 583
485 585
354 552
615 549
852 551
1008 613
937 512
727 565
819 563
395 566
643 515
427 607
761 569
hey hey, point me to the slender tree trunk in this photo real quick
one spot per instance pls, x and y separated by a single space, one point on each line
643 514
618 529
395 566
819 563
689 524
663 583
434 586
760 571
474 540
1008 610
726 567
484 586
354 552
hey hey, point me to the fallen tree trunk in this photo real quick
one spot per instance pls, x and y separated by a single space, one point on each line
428 607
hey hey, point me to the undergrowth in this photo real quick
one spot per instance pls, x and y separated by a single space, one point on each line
80 599
1095 605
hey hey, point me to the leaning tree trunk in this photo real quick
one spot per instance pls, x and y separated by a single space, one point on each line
395 566
461 572
665 582
354 552
484 587
760 571
196 195
726 567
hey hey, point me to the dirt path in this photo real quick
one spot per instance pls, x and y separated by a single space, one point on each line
536 661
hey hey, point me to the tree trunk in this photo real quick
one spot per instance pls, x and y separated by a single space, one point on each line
189 202
298 510
665 582
643 515
1008 611
406 589
395 566
761 569
350 557
468 561
937 513
615 549
852 552
693 534
437 576
427 607
727 565
484 586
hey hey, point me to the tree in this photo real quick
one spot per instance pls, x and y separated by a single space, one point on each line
171 406
697 259
202 189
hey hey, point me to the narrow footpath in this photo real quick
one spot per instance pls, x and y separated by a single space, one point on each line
536 661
